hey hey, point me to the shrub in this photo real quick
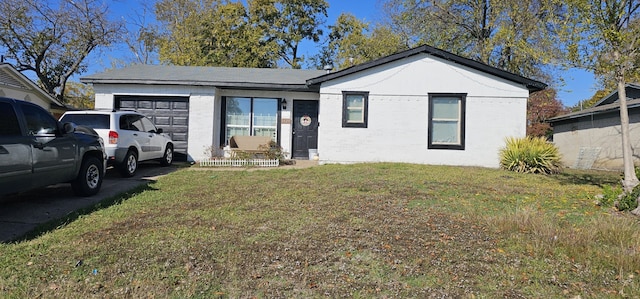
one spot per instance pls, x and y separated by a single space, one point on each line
628 201
272 151
242 155
610 194
530 155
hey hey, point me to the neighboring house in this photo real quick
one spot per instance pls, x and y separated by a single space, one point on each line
591 138
14 84
423 105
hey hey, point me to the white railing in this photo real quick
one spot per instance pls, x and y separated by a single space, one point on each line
239 163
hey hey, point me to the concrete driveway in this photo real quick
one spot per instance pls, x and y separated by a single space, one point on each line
23 212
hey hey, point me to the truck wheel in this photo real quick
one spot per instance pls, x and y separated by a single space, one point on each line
129 164
89 178
167 158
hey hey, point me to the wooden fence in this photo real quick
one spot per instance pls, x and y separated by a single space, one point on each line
240 163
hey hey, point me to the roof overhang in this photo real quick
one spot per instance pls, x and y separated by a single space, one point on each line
532 85
217 84
29 85
631 104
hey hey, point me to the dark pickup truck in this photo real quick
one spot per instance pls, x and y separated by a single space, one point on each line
36 151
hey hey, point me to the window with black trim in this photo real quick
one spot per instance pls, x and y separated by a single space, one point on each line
249 116
355 106
447 121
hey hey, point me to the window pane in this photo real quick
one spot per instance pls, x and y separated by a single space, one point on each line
355 108
93 121
355 101
265 132
237 131
445 132
265 111
9 125
238 111
446 108
447 121
354 115
148 125
241 120
265 117
136 123
38 121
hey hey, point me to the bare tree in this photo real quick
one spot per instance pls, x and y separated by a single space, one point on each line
141 36
53 38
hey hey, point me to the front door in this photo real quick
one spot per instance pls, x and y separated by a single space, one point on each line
305 128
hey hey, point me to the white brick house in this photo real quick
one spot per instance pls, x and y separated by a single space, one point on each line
423 105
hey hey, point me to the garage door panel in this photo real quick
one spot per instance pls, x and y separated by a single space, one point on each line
128 105
169 113
145 105
180 121
163 105
178 136
163 121
184 106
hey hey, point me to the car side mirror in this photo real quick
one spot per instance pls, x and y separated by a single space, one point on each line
159 131
68 128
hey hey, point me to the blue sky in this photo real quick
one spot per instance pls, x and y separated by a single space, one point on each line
579 84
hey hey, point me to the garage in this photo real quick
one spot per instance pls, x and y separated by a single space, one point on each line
167 112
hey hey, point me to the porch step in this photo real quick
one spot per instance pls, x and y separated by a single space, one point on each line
306 163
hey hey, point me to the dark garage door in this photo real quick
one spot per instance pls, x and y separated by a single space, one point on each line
169 113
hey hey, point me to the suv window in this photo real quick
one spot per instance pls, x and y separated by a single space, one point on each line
93 121
148 125
38 121
131 122
9 125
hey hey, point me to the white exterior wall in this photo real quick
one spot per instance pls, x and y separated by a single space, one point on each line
286 116
202 108
398 114
25 96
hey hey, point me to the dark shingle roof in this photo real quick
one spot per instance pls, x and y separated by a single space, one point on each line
223 77
632 90
596 110
607 104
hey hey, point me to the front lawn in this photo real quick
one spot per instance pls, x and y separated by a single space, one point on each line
369 230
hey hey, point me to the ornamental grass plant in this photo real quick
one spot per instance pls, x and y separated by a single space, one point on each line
530 155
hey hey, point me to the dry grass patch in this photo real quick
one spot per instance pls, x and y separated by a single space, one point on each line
370 230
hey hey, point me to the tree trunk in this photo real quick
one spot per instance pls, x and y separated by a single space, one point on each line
630 178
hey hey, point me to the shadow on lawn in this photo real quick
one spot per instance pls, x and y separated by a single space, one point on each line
71 217
588 177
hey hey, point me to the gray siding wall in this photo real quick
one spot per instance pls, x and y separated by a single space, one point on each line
596 134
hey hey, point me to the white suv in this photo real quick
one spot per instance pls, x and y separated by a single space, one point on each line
129 136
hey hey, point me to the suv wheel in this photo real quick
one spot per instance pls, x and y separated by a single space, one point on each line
129 165
167 158
89 178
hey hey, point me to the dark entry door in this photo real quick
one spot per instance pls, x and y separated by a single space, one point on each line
305 128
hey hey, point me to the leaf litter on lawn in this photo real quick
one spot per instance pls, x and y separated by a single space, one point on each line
370 230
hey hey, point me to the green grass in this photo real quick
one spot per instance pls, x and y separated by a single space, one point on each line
358 231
